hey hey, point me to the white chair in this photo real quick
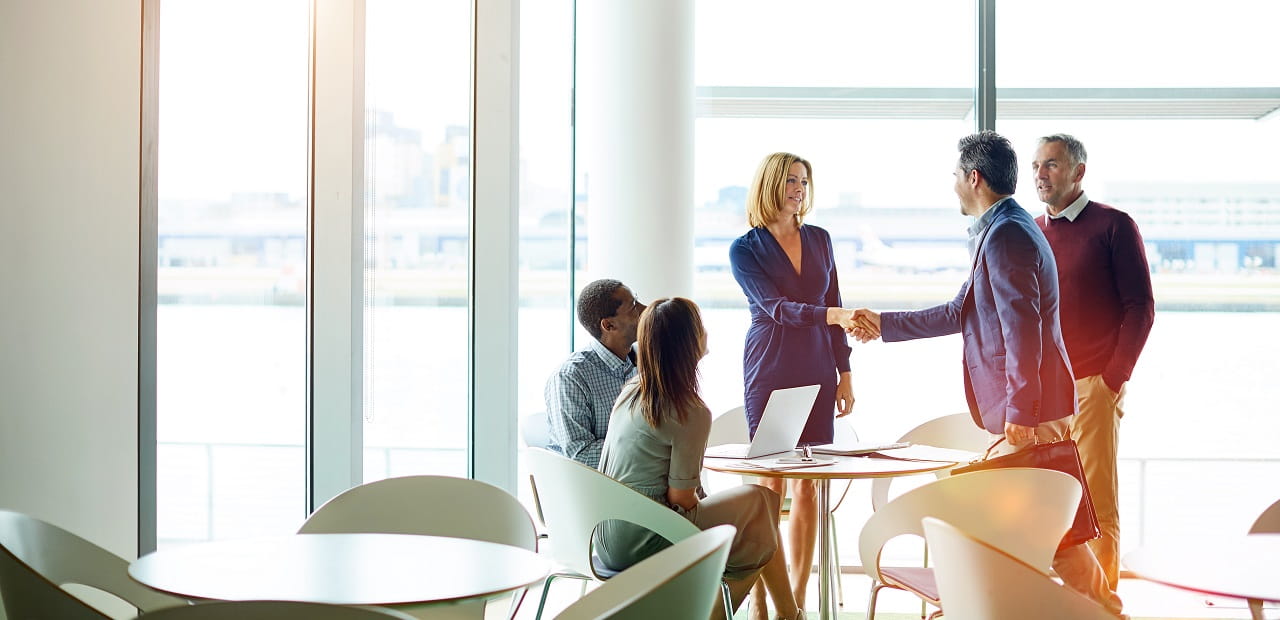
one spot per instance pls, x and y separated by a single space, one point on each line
1267 523
576 498
37 558
1024 510
956 431
979 581
273 610
430 505
677 583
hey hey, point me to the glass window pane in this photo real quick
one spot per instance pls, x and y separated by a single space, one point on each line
546 196
1138 43
1203 192
417 223
826 43
882 183
231 326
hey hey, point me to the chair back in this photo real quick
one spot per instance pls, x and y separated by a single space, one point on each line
678 583
729 427
37 558
534 430
956 431
1024 510
576 498
274 610
1268 522
427 505
979 581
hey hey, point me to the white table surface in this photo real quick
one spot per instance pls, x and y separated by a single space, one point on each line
345 569
1244 566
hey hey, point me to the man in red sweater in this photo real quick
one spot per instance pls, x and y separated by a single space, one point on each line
1106 311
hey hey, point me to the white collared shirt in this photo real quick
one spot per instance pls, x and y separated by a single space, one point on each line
1072 211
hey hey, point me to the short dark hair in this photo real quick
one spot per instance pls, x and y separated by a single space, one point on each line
992 155
1075 148
596 303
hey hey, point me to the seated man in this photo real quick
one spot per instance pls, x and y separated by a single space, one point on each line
580 395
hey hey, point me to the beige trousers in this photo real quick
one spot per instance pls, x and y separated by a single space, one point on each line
1096 430
1076 565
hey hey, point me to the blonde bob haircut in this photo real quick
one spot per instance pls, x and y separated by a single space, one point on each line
768 187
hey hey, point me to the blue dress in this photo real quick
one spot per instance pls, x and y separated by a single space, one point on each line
789 342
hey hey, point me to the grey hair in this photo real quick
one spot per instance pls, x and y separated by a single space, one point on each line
1075 148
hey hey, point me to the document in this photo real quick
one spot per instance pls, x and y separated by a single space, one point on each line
785 463
921 452
858 447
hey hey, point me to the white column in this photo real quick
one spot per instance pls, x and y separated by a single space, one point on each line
634 106
495 240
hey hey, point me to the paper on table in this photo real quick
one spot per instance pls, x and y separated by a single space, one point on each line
858 447
784 463
921 452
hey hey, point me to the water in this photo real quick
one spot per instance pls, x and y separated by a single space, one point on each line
232 419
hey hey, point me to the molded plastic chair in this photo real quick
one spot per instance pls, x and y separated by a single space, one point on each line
677 583
979 581
956 431
434 506
534 430
1267 523
274 610
36 558
1026 511
576 498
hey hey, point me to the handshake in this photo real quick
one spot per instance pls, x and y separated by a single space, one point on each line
862 324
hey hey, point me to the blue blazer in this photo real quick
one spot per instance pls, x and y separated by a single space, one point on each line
1015 363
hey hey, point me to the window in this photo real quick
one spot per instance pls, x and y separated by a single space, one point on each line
417 227
231 326
1180 130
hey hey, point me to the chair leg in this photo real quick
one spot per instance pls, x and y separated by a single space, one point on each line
516 598
1255 609
871 599
835 560
727 598
542 602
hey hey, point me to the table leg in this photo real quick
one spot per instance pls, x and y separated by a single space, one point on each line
826 610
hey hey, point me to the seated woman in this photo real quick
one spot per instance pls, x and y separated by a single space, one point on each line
657 434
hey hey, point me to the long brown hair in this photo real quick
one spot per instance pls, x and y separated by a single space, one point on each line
669 343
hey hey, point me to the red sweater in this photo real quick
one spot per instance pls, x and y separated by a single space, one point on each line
1106 306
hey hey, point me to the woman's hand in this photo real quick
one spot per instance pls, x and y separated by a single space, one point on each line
844 395
684 498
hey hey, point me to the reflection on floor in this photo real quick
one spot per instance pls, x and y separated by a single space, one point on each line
1143 601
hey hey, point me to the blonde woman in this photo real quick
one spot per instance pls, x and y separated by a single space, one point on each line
657 434
797 336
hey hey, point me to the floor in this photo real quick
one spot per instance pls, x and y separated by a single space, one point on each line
1143 601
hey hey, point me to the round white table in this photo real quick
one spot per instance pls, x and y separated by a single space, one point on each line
1241 566
342 569
843 468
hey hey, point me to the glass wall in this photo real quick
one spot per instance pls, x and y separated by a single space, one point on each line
231 325
877 111
1175 140
417 236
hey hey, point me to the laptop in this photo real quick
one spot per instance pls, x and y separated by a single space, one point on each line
780 426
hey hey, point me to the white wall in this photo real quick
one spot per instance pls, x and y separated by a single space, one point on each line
69 150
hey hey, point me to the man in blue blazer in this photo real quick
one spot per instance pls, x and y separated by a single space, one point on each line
1017 376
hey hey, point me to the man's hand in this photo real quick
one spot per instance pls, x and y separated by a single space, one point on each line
866 325
844 395
1017 434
